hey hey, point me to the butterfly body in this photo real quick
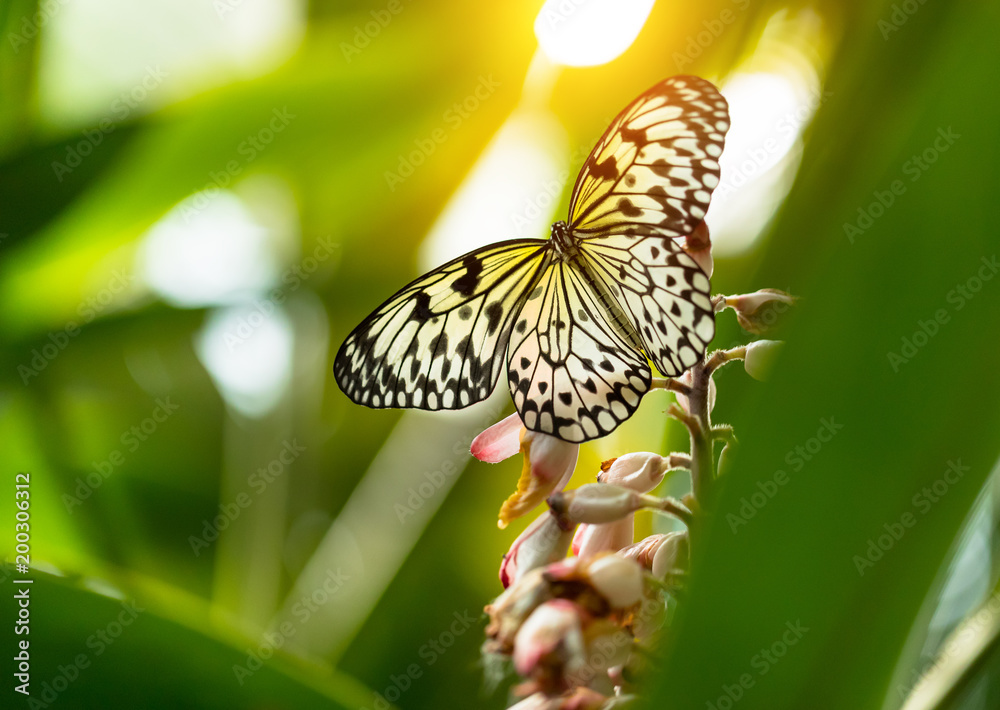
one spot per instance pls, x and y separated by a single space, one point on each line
573 317
563 244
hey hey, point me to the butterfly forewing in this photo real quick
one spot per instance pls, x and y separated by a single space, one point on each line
657 164
576 316
440 342
663 292
571 374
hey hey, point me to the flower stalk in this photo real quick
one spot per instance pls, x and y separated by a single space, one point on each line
576 628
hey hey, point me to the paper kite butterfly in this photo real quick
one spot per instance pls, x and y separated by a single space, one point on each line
572 318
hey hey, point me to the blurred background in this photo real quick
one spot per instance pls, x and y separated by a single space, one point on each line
199 201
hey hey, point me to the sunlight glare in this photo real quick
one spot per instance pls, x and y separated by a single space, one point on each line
584 33
772 98
512 191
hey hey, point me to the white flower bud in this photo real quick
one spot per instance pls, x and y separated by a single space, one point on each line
760 311
640 471
760 357
618 580
596 503
671 555
509 610
542 542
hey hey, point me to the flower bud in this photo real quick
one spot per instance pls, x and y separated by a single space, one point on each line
596 503
548 466
542 542
616 579
509 610
591 540
641 471
577 699
500 441
644 550
607 646
760 311
549 645
671 555
760 358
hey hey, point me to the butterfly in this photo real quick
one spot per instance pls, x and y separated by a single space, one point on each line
572 318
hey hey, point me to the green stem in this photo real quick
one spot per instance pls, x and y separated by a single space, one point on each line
721 357
700 429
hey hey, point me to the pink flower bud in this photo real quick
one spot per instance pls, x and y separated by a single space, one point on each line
550 645
591 540
644 550
500 441
548 466
542 542
760 358
760 311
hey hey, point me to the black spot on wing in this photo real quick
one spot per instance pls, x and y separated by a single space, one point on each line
467 282
606 170
421 308
633 135
494 314
626 207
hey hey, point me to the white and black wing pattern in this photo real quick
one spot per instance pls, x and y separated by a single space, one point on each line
572 317
440 342
662 291
572 374
654 169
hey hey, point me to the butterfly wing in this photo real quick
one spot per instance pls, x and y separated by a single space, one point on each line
571 373
654 169
661 290
440 342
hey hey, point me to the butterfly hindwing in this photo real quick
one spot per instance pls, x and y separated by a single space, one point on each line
572 374
656 166
663 292
575 317
440 342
